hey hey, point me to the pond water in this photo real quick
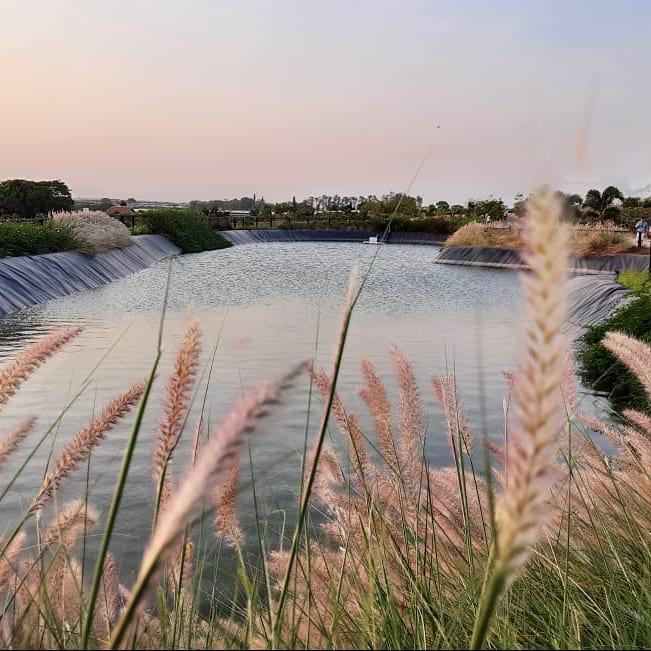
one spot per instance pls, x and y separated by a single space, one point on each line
262 308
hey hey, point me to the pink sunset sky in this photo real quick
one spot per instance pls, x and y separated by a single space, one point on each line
203 99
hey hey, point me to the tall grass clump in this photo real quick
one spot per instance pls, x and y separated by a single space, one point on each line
47 601
476 234
35 239
188 229
581 242
95 231
598 242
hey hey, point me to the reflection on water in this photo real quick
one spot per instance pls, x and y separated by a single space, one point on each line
261 307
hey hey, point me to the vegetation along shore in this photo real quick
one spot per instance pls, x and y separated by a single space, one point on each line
513 546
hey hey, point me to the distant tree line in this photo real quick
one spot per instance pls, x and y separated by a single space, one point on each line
30 199
25 199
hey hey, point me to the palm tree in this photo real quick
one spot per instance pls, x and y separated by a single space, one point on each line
601 205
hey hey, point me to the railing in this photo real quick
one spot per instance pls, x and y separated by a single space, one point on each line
13 219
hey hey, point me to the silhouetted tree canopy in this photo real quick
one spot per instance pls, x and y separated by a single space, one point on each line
27 199
604 205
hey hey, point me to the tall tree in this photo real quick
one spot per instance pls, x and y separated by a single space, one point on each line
27 199
604 205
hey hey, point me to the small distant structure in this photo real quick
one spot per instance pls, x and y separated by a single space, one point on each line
120 212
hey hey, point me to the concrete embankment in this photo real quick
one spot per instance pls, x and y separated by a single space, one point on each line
593 292
290 235
29 280
512 259
593 298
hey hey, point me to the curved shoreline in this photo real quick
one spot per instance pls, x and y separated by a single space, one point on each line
512 259
29 280
243 236
32 279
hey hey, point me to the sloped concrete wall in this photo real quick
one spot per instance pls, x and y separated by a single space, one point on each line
512 259
28 280
592 298
251 236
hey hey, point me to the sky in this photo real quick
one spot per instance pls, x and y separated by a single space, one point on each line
213 99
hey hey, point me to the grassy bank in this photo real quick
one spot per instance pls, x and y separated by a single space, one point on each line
600 368
188 229
88 232
534 538
582 241
94 231
34 239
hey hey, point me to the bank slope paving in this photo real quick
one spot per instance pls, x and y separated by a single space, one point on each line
252 236
32 279
484 256
593 298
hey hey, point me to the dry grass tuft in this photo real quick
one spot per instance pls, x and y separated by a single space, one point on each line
35 354
96 231
582 240
175 407
475 234
80 447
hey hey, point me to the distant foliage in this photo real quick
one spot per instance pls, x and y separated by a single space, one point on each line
34 239
600 368
27 199
188 229
95 231
442 225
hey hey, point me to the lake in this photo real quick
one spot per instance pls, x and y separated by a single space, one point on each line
262 308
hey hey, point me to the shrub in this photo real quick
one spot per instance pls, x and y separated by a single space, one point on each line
475 234
582 242
188 229
598 242
638 281
441 225
600 368
34 239
95 230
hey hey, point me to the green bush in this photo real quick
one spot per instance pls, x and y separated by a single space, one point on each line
34 239
444 225
188 229
602 371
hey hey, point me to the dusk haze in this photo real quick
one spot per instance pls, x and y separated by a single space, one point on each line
325 324
202 100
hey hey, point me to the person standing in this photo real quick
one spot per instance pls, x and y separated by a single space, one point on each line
642 229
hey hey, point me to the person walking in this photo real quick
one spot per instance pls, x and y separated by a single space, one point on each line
642 229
